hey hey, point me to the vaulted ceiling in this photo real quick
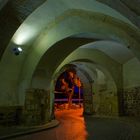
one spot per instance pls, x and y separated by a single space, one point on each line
116 51
13 13
41 27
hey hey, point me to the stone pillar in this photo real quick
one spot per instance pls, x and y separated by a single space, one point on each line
37 107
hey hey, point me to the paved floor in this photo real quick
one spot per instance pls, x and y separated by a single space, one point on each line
76 127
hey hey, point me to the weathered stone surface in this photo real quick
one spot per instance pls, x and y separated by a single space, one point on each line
10 115
132 101
88 100
105 104
37 107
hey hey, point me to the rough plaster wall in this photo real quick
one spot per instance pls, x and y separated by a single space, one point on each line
131 95
105 83
39 79
105 100
131 72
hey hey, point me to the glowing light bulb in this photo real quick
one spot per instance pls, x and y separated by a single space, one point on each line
19 49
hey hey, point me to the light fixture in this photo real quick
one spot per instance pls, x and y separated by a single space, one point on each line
17 50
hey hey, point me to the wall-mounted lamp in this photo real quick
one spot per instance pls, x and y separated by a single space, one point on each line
17 50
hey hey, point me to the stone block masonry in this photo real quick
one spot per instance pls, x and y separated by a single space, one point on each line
36 110
37 107
132 101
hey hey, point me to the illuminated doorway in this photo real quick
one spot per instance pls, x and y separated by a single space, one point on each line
68 91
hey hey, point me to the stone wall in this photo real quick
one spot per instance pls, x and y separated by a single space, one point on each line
88 99
88 104
105 104
37 107
105 99
10 115
132 101
36 110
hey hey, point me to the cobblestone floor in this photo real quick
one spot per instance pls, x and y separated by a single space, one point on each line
73 126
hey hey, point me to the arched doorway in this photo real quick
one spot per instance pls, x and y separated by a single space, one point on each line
99 89
64 99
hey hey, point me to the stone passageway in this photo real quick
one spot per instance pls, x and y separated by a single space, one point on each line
55 46
73 126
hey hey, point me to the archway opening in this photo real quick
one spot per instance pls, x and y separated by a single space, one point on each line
68 91
100 94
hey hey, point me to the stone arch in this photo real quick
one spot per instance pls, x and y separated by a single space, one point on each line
26 64
63 69
111 104
83 55
91 55
122 36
